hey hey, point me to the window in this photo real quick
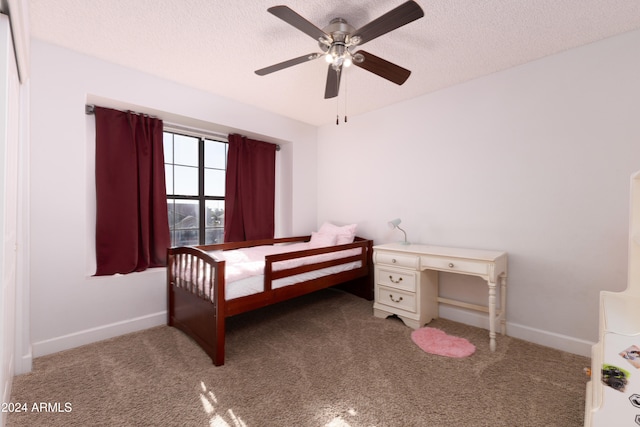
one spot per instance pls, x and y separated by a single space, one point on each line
195 170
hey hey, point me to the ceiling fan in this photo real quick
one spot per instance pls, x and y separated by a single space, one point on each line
339 40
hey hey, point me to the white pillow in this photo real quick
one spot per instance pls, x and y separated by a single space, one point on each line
319 240
345 234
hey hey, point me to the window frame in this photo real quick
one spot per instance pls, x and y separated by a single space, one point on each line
201 198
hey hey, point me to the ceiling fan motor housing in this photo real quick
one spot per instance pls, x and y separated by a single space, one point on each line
340 32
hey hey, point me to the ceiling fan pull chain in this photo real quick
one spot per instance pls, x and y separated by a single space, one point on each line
346 81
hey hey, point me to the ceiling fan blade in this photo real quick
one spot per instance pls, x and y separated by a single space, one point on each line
289 63
292 18
401 15
333 82
383 68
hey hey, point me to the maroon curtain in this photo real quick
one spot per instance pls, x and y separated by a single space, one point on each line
250 190
132 226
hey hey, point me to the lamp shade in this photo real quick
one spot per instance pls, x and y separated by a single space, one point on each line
394 223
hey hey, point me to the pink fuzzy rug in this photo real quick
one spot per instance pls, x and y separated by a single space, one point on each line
435 341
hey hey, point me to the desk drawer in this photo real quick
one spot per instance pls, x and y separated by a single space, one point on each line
454 265
397 260
395 298
396 278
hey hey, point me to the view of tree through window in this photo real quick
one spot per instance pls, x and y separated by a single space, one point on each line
195 169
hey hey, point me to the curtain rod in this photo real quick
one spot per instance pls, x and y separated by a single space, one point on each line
91 109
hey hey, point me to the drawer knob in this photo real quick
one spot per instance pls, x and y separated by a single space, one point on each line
395 300
450 265
393 260
395 281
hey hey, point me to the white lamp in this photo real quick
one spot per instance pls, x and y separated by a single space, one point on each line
395 223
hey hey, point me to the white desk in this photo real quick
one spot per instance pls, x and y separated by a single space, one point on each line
406 282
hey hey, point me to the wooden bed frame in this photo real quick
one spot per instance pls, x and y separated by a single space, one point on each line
200 311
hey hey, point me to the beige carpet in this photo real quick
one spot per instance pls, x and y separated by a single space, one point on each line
320 360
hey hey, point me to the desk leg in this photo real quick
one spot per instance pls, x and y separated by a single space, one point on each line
492 316
503 304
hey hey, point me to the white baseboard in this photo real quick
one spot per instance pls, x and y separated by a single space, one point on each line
88 336
537 336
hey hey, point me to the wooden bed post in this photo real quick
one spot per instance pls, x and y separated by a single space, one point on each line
219 314
363 286
170 299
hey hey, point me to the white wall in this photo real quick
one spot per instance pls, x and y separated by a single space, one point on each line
535 160
68 306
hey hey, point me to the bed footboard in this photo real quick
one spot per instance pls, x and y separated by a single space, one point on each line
195 298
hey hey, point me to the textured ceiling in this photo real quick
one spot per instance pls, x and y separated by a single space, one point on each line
217 45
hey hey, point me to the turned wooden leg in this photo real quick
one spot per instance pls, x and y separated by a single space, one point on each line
503 304
492 316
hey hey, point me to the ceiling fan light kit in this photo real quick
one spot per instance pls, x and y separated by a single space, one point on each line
339 40
336 49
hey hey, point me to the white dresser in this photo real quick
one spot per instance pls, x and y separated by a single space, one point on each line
406 282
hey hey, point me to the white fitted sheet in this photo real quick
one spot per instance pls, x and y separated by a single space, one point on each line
255 284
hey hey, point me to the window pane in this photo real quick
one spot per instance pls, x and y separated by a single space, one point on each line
185 181
185 238
215 213
168 178
185 149
215 154
214 182
185 214
183 222
214 232
167 142
171 212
